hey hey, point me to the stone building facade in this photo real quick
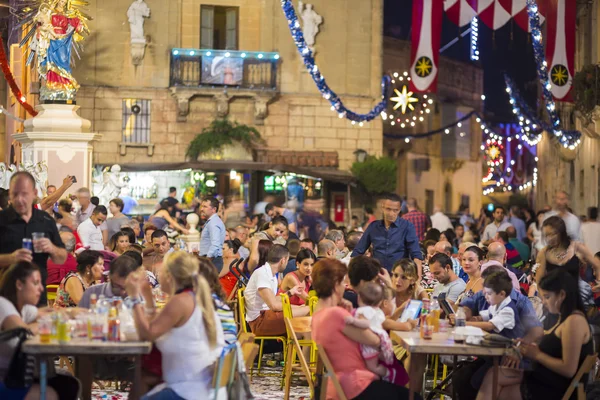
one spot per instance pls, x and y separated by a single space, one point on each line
578 171
443 169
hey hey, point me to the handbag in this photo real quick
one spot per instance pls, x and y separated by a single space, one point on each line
495 340
21 368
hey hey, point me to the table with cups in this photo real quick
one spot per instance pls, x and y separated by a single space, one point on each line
441 343
85 337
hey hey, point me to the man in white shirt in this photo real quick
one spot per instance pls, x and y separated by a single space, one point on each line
89 230
86 209
591 231
497 225
561 209
264 310
449 283
440 221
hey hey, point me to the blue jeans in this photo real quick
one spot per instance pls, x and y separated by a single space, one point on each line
165 394
218 263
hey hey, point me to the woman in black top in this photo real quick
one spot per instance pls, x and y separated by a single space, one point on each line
559 355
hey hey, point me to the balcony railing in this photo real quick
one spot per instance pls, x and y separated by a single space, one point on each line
224 68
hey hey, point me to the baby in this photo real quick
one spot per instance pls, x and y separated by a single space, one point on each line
372 297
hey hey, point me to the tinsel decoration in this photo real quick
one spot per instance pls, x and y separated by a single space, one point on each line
569 139
309 62
11 82
531 126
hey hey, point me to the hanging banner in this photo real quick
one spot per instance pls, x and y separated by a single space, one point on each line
494 13
560 47
425 47
460 12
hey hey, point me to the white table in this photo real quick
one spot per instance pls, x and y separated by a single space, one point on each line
84 351
443 344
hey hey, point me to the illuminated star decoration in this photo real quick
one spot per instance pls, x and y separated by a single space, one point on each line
423 67
404 100
559 75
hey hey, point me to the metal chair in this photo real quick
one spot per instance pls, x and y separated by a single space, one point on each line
51 294
576 383
294 349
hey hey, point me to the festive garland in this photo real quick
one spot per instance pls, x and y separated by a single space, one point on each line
568 139
328 94
407 102
531 126
445 129
11 82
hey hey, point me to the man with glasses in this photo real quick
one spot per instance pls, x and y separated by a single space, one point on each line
89 231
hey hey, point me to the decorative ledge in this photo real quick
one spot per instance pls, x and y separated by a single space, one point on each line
149 146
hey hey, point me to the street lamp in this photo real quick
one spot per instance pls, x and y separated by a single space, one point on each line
361 155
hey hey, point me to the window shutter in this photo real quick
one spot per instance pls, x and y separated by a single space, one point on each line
231 28
207 27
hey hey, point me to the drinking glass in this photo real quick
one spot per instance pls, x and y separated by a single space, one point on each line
45 328
35 237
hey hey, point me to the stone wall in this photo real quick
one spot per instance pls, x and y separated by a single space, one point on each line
348 52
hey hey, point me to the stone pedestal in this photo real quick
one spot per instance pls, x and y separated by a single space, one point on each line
63 139
192 240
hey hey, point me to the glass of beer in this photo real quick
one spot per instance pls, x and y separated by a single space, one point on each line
35 237
45 329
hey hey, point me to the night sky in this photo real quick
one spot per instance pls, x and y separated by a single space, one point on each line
506 50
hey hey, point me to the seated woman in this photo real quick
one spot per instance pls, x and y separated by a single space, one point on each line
404 282
186 331
162 218
230 254
20 291
90 266
471 262
119 243
209 272
342 342
300 277
560 352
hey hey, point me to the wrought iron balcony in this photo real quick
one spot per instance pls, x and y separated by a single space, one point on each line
223 75
224 68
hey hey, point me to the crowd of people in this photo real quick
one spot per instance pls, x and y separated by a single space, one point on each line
364 276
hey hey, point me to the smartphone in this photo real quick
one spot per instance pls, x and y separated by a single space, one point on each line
73 179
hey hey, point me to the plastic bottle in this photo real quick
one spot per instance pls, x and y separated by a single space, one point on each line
114 325
434 314
461 318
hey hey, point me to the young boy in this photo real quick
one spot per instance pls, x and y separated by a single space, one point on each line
500 317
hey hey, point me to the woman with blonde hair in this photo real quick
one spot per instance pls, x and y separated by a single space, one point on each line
186 331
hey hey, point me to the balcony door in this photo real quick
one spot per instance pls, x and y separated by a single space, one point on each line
219 27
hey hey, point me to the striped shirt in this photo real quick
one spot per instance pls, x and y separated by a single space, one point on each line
227 319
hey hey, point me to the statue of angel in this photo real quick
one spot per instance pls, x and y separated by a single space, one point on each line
54 28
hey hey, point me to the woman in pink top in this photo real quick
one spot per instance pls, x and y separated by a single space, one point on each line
341 341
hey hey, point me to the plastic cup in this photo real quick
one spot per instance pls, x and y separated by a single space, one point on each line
35 238
45 329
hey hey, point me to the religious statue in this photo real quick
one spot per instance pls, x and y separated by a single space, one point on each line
138 10
55 30
311 21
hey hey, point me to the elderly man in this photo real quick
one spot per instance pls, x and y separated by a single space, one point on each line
337 237
445 247
242 235
20 221
497 256
327 249
56 272
393 238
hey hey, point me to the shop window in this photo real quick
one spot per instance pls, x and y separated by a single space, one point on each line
219 27
136 121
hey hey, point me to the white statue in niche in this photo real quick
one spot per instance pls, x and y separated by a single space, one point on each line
138 10
311 21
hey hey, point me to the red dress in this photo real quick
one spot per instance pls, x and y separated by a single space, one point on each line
297 300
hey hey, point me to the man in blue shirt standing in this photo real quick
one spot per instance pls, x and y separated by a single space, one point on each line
213 232
393 238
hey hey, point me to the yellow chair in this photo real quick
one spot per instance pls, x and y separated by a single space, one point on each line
436 363
312 293
287 313
51 294
300 325
261 339
312 304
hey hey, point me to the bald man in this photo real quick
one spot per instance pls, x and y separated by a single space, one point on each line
326 249
439 220
445 247
497 256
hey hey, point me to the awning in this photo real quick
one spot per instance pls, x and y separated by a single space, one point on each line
328 174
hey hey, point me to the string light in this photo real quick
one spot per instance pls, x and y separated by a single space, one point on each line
319 79
406 103
474 39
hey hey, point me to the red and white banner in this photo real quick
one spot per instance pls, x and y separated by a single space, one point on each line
494 13
425 48
560 46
